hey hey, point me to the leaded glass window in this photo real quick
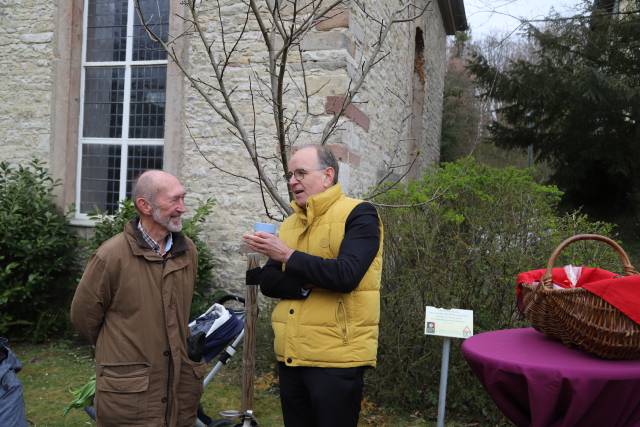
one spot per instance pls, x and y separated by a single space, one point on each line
122 101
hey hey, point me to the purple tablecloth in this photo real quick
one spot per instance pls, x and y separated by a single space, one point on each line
538 382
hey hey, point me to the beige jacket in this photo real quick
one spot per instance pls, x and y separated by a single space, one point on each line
134 306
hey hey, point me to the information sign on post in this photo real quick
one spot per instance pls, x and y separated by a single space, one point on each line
447 323
453 323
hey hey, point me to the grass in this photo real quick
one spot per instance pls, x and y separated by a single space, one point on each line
51 370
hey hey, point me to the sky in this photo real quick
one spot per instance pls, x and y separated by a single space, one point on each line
490 16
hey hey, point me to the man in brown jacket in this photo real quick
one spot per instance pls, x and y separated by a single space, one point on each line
133 304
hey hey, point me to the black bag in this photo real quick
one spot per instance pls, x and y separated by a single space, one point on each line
11 395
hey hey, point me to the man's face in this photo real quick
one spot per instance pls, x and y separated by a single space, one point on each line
168 206
312 180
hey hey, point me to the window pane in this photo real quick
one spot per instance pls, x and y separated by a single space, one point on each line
156 14
103 97
141 158
107 30
100 178
148 85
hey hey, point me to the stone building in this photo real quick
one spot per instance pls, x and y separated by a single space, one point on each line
83 88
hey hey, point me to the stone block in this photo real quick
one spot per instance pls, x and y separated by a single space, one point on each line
356 31
332 40
337 18
37 38
344 154
334 104
326 84
344 177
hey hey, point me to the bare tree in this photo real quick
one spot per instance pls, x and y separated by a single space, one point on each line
501 51
280 80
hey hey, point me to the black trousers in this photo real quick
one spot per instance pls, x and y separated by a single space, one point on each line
320 397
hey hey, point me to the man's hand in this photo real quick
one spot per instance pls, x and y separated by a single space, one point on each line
269 245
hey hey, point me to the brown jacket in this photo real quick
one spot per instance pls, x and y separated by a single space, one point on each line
134 306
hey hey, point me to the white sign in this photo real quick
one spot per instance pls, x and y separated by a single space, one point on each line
454 322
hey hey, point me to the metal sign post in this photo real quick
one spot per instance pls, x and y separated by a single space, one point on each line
447 323
444 375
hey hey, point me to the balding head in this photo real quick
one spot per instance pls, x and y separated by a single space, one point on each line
150 183
159 200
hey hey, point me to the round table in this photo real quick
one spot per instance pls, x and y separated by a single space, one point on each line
538 382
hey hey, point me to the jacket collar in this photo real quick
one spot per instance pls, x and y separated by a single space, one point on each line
318 204
140 247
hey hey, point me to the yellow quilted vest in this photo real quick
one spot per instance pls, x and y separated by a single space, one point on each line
328 329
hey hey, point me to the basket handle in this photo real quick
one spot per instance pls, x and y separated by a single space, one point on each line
628 268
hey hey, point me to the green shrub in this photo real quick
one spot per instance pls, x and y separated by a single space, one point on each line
107 226
38 268
471 229
265 356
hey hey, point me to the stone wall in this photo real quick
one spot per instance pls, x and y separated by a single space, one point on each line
370 143
435 69
26 55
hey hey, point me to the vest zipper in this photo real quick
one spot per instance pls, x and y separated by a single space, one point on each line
341 318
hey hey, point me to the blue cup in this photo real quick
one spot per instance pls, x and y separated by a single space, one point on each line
265 226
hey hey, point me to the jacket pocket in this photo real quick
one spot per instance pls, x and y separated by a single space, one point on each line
342 321
189 391
122 391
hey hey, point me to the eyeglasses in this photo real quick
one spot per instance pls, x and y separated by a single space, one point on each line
299 174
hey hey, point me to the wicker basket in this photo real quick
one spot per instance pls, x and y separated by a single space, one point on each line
579 318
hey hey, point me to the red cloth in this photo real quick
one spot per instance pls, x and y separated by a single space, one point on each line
621 292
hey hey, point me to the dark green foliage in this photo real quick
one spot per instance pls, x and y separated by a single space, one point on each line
38 268
107 226
204 283
577 101
265 356
473 230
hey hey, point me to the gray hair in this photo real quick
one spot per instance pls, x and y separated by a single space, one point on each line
326 159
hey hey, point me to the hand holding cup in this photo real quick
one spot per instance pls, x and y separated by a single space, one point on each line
264 241
265 227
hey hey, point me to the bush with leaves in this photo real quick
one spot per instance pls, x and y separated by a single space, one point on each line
470 231
107 226
38 250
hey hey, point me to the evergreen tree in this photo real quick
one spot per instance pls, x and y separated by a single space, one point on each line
578 104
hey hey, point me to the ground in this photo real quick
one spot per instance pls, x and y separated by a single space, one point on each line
51 370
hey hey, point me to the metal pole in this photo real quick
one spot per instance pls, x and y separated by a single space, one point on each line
224 358
444 373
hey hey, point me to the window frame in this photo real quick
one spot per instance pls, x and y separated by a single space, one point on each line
124 141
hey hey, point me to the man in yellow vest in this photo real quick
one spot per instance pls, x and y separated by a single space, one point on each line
325 267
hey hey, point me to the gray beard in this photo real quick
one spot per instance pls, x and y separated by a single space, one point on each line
166 222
